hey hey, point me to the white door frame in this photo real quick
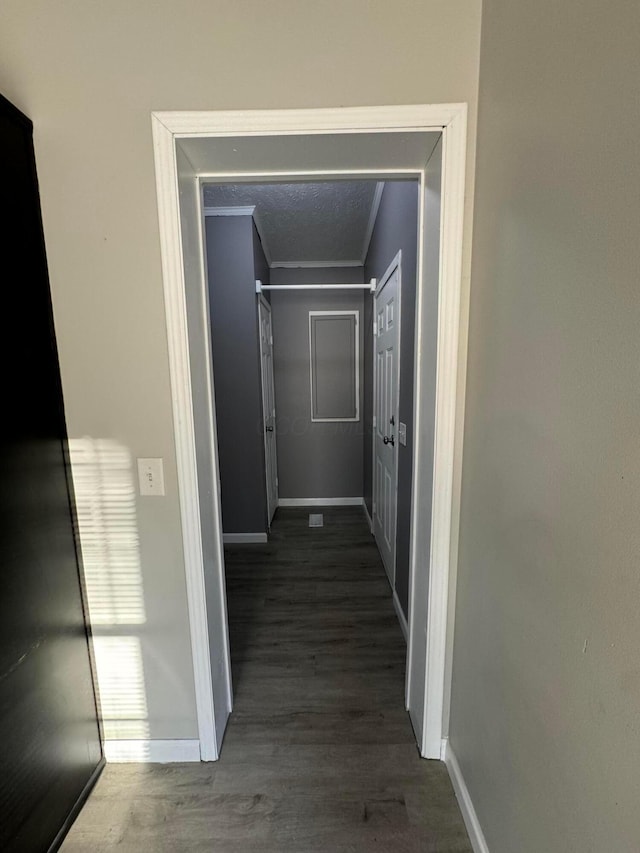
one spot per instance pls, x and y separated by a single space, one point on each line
396 264
450 120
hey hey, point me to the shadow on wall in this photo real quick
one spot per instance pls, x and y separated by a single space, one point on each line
106 505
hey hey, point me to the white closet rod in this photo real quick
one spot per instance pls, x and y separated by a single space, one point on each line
371 286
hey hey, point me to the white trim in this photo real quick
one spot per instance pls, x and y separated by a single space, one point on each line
470 817
405 118
315 174
355 313
366 512
401 617
454 139
450 119
151 751
320 502
184 431
373 215
305 265
240 210
244 538
215 468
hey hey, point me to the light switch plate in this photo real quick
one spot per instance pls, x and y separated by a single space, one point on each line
151 476
402 434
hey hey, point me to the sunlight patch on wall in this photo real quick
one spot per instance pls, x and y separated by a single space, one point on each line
122 689
107 522
106 506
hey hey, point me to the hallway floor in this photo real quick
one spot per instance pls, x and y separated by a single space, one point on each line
319 754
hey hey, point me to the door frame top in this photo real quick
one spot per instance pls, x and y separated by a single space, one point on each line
449 119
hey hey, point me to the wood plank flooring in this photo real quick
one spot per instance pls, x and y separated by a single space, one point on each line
319 755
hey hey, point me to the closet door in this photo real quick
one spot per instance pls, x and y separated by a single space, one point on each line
48 721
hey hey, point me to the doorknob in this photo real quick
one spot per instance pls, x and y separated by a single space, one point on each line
390 441
269 429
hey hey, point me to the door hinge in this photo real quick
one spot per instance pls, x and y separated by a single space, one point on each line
271 340
374 422
375 328
276 481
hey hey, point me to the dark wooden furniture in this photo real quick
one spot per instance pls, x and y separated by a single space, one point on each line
49 737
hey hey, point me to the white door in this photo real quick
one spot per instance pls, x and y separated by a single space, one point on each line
385 417
268 406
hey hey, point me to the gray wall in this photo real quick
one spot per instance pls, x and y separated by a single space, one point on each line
232 251
546 673
261 269
396 228
321 460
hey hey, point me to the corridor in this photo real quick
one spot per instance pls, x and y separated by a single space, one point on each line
319 754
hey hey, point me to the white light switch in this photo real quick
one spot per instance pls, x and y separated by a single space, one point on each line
402 434
151 476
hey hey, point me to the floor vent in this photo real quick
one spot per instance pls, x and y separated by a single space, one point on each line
316 519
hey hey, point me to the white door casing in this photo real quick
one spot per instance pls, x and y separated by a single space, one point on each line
386 384
202 545
422 543
268 406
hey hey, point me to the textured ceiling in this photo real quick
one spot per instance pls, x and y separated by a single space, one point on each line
305 222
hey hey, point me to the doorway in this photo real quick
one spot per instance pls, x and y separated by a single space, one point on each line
388 141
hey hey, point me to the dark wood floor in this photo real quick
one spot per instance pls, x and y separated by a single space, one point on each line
319 754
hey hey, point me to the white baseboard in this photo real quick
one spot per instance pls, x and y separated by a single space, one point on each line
366 512
476 835
401 617
320 501
244 538
151 751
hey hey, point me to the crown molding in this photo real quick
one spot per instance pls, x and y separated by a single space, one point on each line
244 210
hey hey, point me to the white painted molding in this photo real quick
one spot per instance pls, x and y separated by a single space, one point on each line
307 265
373 215
244 538
310 174
476 835
401 617
454 138
240 210
151 751
366 512
406 117
450 119
184 430
320 502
